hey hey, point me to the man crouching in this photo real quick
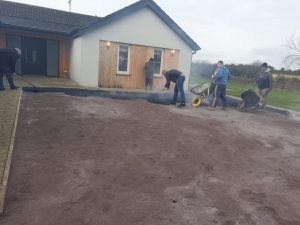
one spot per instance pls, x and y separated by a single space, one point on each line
178 78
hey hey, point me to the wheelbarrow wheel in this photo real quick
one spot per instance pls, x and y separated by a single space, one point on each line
197 101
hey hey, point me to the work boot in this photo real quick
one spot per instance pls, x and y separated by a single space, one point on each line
262 110
2 89
181 105
224 108
172 103
14 88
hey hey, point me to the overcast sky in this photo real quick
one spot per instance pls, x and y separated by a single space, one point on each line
236 31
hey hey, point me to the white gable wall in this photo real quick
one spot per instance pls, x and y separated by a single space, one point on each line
143 27
75 61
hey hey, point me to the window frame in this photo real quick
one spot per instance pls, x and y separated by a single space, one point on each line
126 73
161 61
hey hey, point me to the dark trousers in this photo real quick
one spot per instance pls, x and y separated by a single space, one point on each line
220 93
179 88
9 76
148 82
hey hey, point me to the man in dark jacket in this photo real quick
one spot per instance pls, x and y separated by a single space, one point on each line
264 85
178 78
149 71
8 59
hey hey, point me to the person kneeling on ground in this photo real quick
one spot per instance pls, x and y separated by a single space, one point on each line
221 77
8 59
178 78
264 85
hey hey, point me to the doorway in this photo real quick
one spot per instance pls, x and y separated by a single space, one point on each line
39 56
34 60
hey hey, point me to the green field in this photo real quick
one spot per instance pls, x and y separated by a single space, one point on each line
288 99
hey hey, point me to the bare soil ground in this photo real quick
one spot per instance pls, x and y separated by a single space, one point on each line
116 162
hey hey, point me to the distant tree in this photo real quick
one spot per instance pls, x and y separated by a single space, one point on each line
293 44
256 63
245 71
287 71
202 68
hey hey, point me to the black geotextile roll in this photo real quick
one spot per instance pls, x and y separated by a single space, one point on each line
250 98
155 98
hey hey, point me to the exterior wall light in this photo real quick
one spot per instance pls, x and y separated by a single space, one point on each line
173 52
108 44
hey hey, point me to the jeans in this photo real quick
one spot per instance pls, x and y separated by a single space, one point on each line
220 92
179 87
263 94
9 77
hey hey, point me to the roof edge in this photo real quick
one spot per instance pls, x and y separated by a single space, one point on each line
30 29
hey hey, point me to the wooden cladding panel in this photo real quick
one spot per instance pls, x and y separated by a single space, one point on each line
107 64
108 77
64 58
137 61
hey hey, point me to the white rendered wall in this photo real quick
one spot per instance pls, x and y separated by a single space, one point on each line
143 27
75 58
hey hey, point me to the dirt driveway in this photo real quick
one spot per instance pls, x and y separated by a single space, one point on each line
99 161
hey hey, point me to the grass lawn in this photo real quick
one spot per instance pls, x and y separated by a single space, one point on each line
288 99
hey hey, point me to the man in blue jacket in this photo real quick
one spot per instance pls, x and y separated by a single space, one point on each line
221 77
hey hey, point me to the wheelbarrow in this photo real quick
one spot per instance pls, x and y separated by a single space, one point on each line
204 90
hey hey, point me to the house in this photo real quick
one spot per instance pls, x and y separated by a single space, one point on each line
107 52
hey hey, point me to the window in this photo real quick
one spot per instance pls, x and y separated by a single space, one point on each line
157 60
123 59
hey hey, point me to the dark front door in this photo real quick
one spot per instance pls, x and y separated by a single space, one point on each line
34 56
